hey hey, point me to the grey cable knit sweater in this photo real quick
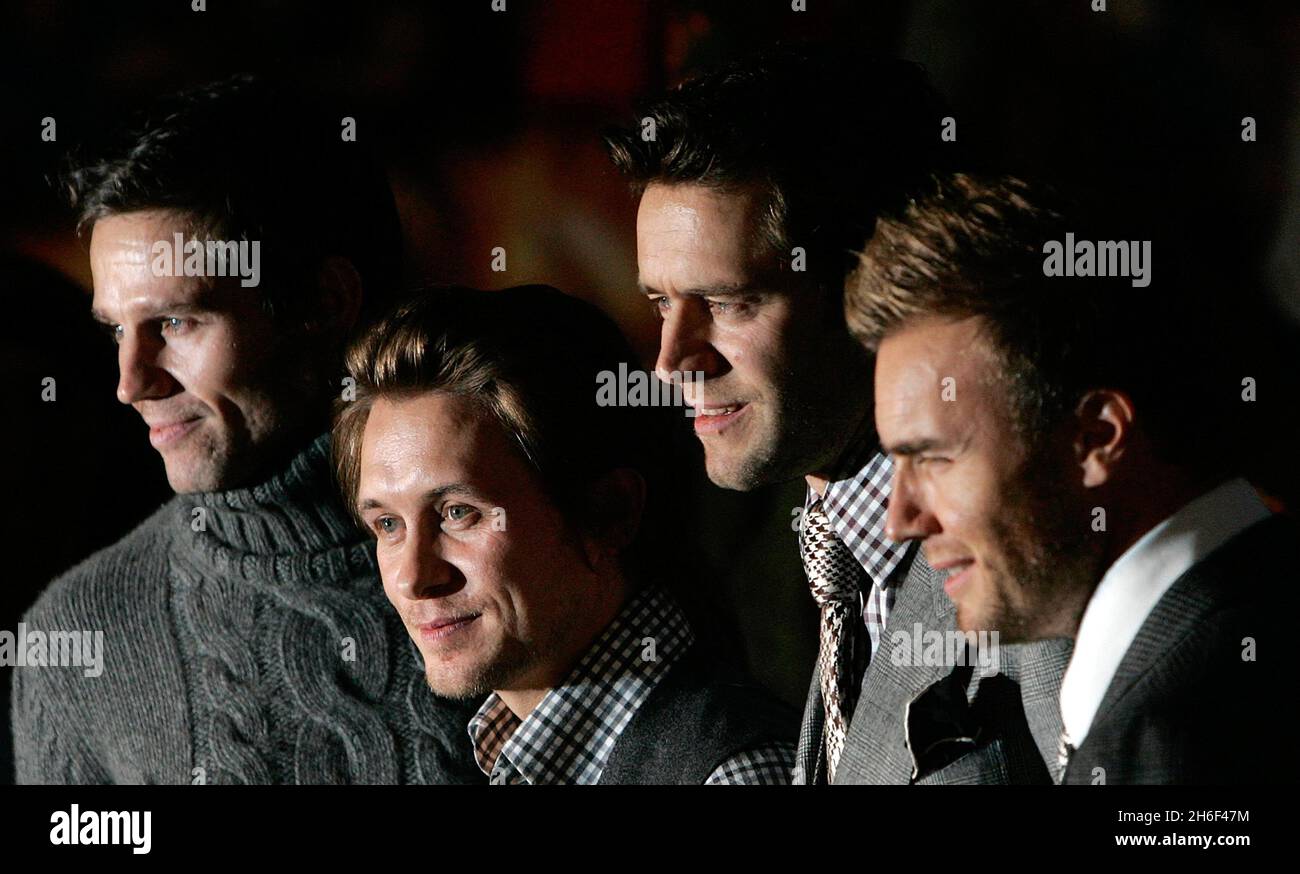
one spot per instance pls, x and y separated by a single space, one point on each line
246 639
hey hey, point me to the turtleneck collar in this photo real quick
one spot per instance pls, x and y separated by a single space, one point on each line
290 528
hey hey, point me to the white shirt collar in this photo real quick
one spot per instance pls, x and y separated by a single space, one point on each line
1134 584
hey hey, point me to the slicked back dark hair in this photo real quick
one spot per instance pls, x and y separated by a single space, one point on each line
247 159
833 139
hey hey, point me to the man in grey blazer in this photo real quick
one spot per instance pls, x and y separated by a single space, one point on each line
756 181
1065 490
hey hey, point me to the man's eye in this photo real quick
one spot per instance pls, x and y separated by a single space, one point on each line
113 332
385 524
458 513
173 324
736 307
659 305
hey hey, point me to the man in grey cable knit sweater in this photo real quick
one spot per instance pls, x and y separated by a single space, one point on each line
246 637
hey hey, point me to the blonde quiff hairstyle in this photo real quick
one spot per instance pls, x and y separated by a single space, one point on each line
531 357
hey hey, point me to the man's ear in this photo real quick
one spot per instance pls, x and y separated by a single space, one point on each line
616 502
1104 431
339 292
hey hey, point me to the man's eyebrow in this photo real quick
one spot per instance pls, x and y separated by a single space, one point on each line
432 496
723 290
203 302
369 504
913 447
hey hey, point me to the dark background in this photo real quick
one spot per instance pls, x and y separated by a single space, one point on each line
489 123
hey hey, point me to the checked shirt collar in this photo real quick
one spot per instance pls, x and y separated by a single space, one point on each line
570 735
855 503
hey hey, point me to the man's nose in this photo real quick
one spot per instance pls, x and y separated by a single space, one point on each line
139 376
908 517
684 345
423 571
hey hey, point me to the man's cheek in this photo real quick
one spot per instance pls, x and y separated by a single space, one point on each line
225 356
387 574
732 349
945 500
198 373
974 499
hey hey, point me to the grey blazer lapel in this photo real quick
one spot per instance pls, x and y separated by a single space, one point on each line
1189 600
1038 668
810 753
1175 615
875 750
1166 662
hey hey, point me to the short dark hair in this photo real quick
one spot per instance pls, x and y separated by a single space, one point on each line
831 139
974 246
250 159
531 356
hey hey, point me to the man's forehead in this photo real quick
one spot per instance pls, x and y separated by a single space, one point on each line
927 373
703 256
410 420
692 220
686 204
122 293
125 234
427 437
932 344
122 260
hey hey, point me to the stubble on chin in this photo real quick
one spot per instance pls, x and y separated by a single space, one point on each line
199 465
772 449
734 470
478 681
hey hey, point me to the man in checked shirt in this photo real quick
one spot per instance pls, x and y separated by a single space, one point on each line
513 518
758 182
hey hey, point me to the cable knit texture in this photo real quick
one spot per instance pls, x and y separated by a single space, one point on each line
246 640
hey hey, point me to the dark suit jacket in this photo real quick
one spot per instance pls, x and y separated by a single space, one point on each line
1012 718
1185 706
